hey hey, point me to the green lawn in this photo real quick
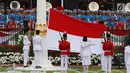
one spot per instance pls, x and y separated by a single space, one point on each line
73 70
3 69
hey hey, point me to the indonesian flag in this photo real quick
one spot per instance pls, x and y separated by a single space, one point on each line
75 29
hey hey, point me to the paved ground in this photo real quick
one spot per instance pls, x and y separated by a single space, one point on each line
72 66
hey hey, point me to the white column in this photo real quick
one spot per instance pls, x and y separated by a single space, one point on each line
41 19
41 11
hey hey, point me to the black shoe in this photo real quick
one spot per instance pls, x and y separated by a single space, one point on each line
29 62
37 67
25 66
102 71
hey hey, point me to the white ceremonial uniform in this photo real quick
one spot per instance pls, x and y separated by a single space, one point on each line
86 52
37 48
26 47
102 56
64 62
127 58
107 64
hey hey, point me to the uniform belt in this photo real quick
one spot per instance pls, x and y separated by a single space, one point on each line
64 50
107 50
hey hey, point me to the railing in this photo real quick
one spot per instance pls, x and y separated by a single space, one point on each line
10 36
120 37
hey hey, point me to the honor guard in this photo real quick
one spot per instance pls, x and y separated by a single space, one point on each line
26 47
127 58
102 52
108 48
64 47
85 53
37 48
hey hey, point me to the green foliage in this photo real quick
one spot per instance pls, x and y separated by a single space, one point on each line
119 56
119 49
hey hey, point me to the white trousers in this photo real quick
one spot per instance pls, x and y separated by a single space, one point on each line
86 60
64 62
107 63
37 54
102 62
128 68
26 53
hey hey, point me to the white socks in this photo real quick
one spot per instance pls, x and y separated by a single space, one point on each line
85 68
64 71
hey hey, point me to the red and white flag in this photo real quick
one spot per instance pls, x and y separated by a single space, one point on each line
75 29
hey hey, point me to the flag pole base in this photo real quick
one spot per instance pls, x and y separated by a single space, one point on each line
42 28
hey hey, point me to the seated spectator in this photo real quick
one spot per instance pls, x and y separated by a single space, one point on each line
8 15
11 25
2 18
12 19
83 16
31 19
20 17
70 13
109 26
66 12
114 25
74 14
120 25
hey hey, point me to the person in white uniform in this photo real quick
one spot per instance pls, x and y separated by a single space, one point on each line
37 48
127 58
85 53
26 47
102 53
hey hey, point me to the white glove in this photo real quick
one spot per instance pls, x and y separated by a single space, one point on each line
112 57
79 54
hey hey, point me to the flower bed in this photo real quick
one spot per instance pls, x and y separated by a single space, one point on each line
16 57
13 54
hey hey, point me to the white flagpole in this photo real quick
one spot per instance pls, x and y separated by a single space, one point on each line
62 3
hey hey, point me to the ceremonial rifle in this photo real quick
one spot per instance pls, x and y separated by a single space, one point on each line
60 37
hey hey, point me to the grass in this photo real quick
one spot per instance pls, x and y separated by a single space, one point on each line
3 69
73 70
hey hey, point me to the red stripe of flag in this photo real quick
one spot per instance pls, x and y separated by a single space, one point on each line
61 23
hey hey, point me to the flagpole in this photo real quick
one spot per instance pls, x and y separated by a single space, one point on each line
62 3
42 26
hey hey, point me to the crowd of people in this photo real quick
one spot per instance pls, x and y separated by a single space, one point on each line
14 18
115 20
